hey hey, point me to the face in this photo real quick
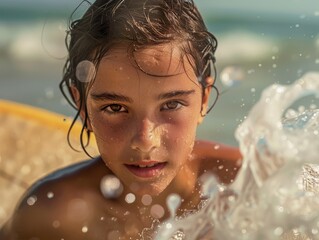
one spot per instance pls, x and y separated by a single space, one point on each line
145 125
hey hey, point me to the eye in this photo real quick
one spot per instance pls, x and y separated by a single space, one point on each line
114 108
172 105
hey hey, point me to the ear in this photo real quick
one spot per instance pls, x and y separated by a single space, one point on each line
75 95
209 82
77 99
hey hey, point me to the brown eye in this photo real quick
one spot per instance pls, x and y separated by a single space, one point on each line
115 108
172 105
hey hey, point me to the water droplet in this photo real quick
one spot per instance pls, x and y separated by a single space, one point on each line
173 201
85 229
50 194
231 76
56 224
231 198
126 213
157 211
31 200
85 71
168 225
130 198
290 113
147 200
111 187
209 186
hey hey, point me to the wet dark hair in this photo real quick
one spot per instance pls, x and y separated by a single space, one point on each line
139 24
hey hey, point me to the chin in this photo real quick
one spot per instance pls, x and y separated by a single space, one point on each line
152 189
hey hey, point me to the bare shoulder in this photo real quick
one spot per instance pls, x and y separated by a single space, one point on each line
58 206
222 160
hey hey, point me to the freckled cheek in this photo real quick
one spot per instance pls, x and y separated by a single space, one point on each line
181 132
110 131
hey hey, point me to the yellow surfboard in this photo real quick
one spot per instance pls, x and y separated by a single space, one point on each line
33 143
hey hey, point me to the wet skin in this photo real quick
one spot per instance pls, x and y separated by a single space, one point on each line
139 120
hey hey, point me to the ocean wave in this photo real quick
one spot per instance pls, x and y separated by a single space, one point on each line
36 40
242 45
45 40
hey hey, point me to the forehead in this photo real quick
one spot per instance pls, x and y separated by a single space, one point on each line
160 60
149 71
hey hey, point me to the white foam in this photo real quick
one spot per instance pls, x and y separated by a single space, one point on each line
270 197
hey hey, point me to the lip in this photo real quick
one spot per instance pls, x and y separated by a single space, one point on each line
146 172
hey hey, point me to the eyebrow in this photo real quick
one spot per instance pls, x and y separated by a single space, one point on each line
178 93
110 96
119 97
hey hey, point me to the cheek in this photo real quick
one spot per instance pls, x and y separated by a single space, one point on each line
181 133
109 130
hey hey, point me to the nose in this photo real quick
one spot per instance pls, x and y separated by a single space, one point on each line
146 137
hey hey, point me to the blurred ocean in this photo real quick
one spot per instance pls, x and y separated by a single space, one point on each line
272 42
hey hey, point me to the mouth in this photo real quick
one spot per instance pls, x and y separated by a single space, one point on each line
146 169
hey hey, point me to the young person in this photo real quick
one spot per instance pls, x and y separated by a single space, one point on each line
140 74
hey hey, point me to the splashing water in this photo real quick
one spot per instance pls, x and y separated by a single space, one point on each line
275 195
173 202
